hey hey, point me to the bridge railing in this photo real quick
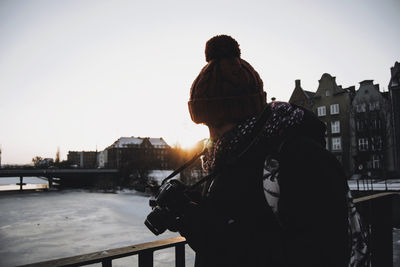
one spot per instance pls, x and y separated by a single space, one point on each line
375 210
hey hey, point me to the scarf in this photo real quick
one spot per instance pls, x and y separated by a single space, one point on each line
284 117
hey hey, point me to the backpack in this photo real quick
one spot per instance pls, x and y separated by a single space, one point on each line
357 236
359 256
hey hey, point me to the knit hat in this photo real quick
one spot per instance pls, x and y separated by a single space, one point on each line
227 89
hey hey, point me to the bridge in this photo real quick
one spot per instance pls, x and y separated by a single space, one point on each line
60 173
49 174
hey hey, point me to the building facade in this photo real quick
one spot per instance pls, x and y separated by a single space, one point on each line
136 152
83 159
331 103
394 92
332 106
371 132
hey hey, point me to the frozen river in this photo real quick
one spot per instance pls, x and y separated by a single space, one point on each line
38 226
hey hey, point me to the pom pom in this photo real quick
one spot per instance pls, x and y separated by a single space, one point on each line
222 46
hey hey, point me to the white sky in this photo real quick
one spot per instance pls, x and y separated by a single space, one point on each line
80 74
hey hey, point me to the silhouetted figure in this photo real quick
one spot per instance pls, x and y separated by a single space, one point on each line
278 197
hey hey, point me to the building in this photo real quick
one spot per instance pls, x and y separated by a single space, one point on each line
332 106
83 159
331 103
45 163
302 97
136 152
394 92
371 132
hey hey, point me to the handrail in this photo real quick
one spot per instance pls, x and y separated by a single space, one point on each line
144 250
374 196
377 218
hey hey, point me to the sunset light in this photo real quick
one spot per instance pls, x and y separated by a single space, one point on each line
80 74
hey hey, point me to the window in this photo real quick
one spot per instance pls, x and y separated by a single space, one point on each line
363 144
375 124
327 93
335 126
360 125
374 106
376 143
326 143
336 144
360 108
369 164
321 111
376 162
335 109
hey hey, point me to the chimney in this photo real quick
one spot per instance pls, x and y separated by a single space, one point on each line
298 83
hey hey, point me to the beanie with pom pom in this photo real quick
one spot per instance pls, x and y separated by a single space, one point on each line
227 89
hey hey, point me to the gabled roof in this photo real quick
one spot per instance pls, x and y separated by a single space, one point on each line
328 82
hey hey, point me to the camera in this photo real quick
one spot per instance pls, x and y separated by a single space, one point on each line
168 205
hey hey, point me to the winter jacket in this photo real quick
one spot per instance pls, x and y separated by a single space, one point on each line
234 224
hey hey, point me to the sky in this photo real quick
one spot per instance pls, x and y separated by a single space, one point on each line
78 75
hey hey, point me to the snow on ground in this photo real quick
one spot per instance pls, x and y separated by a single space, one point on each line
375 185
38 226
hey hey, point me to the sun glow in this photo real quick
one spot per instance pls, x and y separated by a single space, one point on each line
189 137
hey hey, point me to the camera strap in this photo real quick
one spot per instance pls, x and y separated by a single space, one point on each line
184 166
254 137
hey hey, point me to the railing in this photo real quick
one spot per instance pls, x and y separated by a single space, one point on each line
375 210
377 217
144 251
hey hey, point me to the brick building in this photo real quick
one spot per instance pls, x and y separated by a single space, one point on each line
136 152
302 97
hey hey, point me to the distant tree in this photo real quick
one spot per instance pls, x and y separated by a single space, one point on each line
57 160
36 160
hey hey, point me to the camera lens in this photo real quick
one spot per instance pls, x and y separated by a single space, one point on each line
155 221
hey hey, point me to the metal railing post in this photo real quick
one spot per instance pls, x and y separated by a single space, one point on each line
106 263
146 258
180 255
381 239
21 179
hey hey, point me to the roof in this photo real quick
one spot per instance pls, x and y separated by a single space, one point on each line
127 141
136 141
309 94
158 142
